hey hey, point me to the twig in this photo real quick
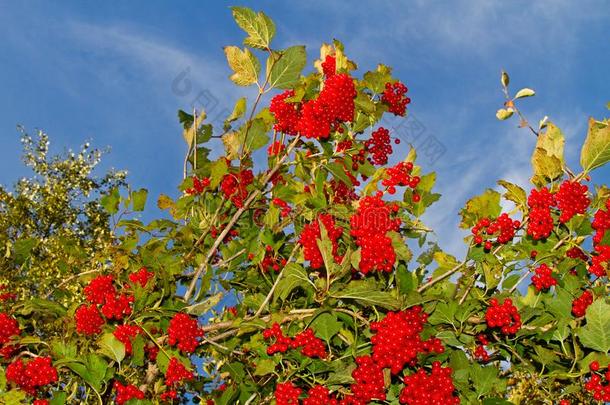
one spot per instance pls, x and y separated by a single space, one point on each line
441 277
66 281
277 280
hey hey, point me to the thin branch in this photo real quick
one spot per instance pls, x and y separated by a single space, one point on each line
441 277
277 280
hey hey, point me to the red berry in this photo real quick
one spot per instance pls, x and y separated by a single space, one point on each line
185 332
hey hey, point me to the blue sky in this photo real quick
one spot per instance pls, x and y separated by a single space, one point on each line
103 71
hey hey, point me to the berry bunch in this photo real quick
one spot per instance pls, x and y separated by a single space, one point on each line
397 340
422 388
580 304
599 383
541 222
571 199
601 223
341 193
275 148
5 296
400 175
125 334
504 316
312 232
287 394
278 202
379 146
319 395
141 277
99 288
234 186
369 383
37 373
503 226
198 185
9 327
329 66
394 97
543 279
270 262
576 253
311 346
286 114
369 226
600 261
176 373
480 353
126 393
337 96
117 306
185 332
88 320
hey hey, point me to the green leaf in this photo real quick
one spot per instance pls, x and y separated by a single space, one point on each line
293 276
284 67
443 313
367 292
504 113
525 92
596 149
111 201
486 205
258 26
484 379
59 398
238 111
547 159
112 347
137 351
138 199
514 193
256 131
232 144
218 169
244 64
264 367
596 333
326 326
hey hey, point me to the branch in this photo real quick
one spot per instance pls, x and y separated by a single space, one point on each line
277 280
441 277
233 220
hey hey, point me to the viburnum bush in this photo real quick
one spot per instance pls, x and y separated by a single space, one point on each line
294 266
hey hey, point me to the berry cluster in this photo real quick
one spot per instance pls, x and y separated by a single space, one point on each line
315 118
126 393
369 226
576 253
286 114
117 306
397 340
379 146
176 373
580 304
480 353
198 185
125 334
504 316
99 288
285 208
394 97
599 262
400 175
369 383
541 222
543 279
312 232
185 332
341 193
270 262
596 384
234 186
9 327
422 388
310 345
141 277
6 296
319 395
287 394
329 66
88 320
601 223
503 226
571 199
275 148
37 373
